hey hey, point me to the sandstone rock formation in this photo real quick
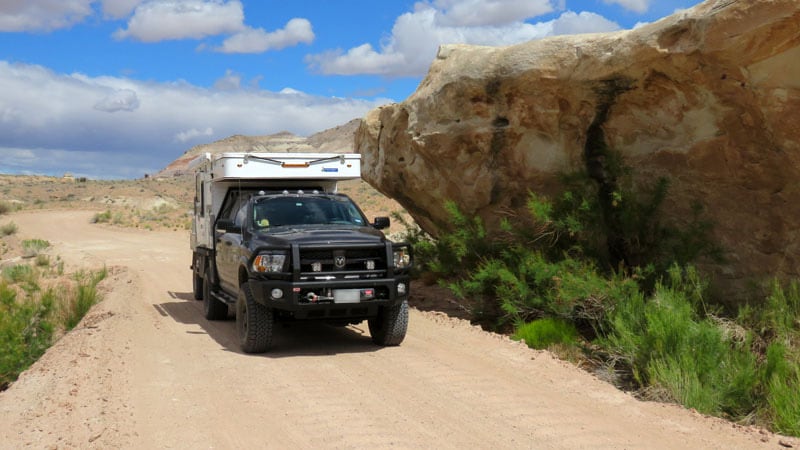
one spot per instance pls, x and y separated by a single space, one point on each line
708 97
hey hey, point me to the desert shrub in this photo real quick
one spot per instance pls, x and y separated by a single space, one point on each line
32 247
163 208
782 380
522 284
8 229
25 331
42 260
684 355
777 324
5 207
30 323
118 218
543 333
84 297
102 217
464 247
627 228
777 319
19 273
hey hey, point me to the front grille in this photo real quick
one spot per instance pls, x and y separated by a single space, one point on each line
347 263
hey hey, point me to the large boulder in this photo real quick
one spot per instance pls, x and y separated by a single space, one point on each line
708 97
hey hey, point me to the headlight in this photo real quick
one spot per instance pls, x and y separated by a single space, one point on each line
402 258
269 262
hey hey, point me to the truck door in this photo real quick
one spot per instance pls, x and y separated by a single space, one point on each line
229 246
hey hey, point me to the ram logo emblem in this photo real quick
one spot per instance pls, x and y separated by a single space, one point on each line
339 261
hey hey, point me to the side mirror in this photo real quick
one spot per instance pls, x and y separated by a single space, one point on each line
228 226
381 223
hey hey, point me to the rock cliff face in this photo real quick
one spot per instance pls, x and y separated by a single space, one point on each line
709 97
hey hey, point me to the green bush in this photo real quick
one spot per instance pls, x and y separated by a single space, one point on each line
42 261
25 332
521 282
782 382
777 323
85 296
19 273
425 247
8 229
32 247
102 217
626 229
671 347
543 333
29 324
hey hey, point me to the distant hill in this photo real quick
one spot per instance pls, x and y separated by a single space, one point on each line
334 140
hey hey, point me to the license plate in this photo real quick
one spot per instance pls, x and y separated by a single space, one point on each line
347 295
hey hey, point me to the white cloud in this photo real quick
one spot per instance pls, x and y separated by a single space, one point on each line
183 19
459 13
119 100
585 22
117 9
193 133
42 15
363 60
639 6
252 40
54 115
231 81
416 37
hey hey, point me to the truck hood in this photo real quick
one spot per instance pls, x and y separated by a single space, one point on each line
284 236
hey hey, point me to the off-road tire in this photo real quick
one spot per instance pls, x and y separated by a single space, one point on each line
213 309
197 285
254 322
389 327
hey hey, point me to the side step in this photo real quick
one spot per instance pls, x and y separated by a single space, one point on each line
224 297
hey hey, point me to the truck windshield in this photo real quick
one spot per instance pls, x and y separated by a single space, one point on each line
318 210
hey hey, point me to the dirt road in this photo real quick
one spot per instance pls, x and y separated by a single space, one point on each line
145 370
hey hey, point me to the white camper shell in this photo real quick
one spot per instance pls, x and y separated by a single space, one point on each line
216 173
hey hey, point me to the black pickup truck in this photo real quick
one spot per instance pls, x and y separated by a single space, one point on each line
302 255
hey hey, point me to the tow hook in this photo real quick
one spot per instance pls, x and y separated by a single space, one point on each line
314 298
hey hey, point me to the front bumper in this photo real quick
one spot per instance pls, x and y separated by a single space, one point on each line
296 304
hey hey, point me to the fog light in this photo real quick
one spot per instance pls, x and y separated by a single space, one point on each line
401 289
316 266
370 265
276 293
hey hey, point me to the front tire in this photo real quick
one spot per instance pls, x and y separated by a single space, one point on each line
254 322
389 327
213 309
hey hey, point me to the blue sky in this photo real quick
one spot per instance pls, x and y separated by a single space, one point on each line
120 88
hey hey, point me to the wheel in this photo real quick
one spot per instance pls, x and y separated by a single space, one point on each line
254 322
197 284
213 309
389 327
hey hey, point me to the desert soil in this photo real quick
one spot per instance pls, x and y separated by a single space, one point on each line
145 370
